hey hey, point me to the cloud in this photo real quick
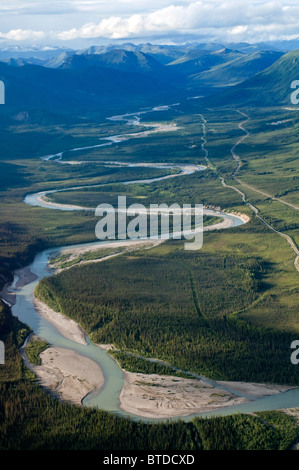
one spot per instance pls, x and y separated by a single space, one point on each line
200 17
23 35
36 7
222 20
239 29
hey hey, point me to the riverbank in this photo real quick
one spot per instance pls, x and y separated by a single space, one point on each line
75 253
22 276
163 396
71 376
67 327
41 198
66 374
244 217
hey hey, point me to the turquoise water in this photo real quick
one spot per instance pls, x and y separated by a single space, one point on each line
25 311
108 397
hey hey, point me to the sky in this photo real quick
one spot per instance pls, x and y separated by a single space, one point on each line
73 23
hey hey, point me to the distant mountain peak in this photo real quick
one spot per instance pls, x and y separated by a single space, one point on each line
269 87
120 59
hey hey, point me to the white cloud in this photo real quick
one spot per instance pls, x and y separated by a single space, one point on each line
194 18
36 7
222 20
23 35
239 29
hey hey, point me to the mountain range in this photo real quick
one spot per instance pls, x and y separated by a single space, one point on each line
270 87
69 81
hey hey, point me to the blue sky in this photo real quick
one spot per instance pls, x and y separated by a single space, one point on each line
70 23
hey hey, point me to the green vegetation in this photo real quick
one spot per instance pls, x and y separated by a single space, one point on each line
236 70
286 427
229 311
181 307
66 260
133 363
13 333
267 88
25 230
193 189
32 420
33 350
52 425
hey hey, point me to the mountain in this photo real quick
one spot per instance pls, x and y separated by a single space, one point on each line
271 87
237 70
57 61
83 85
32 53
205 46
196 61
93 50
285 45
250 48
16 62
118 59
78 83
164 54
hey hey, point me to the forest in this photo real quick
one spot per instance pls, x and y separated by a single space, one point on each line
179 307
228 312
31 419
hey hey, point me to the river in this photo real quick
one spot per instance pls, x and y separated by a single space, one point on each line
108 396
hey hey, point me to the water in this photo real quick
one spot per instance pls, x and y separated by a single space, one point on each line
36 199
108 397
24 309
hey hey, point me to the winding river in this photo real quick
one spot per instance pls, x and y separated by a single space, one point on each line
107 398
